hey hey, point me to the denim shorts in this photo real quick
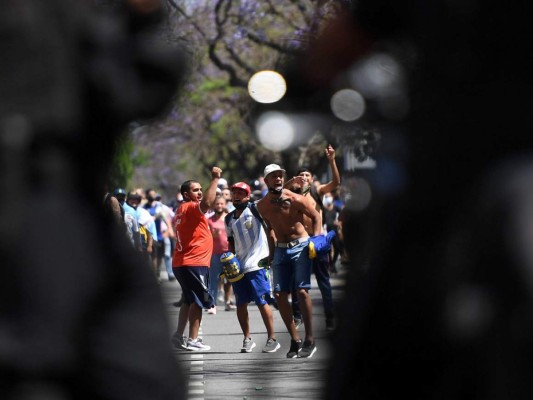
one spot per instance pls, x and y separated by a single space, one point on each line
292 265
254 286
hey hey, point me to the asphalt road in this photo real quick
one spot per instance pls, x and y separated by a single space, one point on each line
226 373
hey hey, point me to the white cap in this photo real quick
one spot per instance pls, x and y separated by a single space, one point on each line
272 168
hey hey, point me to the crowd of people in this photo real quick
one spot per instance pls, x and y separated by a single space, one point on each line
236 244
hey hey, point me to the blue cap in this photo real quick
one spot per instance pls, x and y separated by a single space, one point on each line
120 191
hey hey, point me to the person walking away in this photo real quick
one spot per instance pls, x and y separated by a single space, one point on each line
283 211
247 240
169 236
131 219
192 256
158 247
145 222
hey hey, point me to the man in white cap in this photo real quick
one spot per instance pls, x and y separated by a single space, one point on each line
283 212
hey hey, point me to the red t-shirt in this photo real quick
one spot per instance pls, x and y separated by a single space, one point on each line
194 243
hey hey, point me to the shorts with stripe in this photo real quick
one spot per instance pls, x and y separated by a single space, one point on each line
194 282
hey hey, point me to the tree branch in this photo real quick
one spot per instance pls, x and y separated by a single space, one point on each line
188 18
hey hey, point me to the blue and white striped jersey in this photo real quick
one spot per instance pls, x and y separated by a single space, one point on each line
251 244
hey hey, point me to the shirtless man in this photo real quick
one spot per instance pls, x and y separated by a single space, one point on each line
283 212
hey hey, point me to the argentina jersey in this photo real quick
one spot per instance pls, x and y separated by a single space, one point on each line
251 244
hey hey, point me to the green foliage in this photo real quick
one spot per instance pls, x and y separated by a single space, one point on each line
122 167
140 158
211 122
210 85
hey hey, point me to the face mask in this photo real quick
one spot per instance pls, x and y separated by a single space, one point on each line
241 205
276 190
328 200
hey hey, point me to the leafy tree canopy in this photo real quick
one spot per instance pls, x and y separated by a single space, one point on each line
211 121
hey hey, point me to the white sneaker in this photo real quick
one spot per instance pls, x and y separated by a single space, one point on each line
212 310
197 345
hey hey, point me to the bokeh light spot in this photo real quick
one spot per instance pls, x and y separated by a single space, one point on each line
359 194
275 131
347 105
267 87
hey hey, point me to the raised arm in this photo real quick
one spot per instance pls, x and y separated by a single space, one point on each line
208 199
296 180
336 180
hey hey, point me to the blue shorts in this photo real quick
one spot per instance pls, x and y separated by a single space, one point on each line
254 286
292 268
194 282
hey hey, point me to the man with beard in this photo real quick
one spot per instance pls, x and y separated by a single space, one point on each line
192 257
248 240
283 212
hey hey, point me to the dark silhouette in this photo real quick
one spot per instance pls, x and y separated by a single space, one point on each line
81 314
439 305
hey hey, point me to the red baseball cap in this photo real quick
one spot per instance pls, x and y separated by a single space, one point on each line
243 186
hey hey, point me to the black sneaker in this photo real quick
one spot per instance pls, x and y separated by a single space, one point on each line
308 349
296 346
330 324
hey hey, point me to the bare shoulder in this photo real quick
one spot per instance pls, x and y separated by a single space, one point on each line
296 199
262 205
310 200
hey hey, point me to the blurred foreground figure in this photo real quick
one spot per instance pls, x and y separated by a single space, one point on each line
81 316
441 299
